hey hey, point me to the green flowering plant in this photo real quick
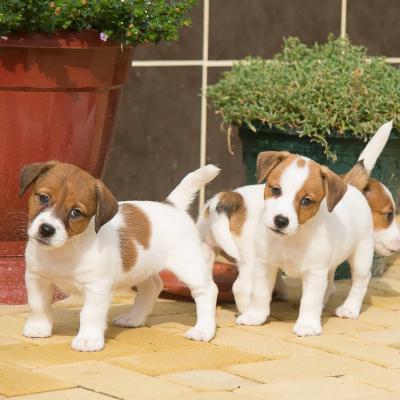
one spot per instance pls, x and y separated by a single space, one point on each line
126 21
326 89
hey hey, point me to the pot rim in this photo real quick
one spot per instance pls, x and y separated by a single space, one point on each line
64 39
262 127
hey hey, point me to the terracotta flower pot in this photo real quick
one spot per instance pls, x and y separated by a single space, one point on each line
58 100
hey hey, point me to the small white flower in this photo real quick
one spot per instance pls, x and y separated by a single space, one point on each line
4 37
103 37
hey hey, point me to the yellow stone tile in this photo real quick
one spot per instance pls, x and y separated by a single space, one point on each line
384 378
115 381
12 310
288 369
217 396
151 340
379 316
5 341
183 321
330 325
386 337
350 347
32 356
207 379
15 381
312 389
270 347
284 311
68 394
212 357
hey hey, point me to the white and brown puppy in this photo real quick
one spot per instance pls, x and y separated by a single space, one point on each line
229 220
82 240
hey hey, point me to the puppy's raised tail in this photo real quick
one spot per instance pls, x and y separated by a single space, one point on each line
183 195
374 148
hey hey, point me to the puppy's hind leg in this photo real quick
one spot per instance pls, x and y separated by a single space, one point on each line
147 294
360 263
198 277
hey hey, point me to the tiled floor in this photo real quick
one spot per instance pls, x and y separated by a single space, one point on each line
352 359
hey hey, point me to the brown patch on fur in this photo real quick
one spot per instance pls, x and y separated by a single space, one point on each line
313 189
268 160
232 204
207 212
335 187
381 204
357 176
301 162
136 228
69 187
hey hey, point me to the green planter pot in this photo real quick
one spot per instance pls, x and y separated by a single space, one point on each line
347 149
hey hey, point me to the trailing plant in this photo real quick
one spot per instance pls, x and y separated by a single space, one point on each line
327 89
126 21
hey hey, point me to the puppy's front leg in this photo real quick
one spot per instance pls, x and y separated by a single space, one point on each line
40 296
264 277
93 318
314 286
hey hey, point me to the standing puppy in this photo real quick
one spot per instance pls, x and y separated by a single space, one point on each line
83 241
312 222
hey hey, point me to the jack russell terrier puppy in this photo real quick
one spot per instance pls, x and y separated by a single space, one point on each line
82 240
229 220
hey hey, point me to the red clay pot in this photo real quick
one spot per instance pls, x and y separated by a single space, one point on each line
224 275
58 101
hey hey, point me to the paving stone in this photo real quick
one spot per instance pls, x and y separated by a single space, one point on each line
208 379
379 316
313 389
118 382
16 381
386 337
4 341
330 325
219 396
151 340
270 347
14 309
288 369
68 394
213 357
384 378
350 347
32 356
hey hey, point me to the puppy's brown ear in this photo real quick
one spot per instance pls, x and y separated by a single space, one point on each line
334 186
106 205
29 173
267 161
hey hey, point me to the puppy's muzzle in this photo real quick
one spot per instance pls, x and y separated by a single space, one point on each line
46 230
281 221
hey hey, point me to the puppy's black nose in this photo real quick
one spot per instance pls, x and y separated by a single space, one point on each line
47 230
281 221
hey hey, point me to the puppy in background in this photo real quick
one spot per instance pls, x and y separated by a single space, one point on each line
83 241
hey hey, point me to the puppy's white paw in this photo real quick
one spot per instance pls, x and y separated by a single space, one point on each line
129 320
82 343
202 333
37 329
347 312
251 318
307 328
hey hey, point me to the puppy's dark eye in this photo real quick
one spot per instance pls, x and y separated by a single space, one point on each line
389 216
43 198
306 201
75 213
276 191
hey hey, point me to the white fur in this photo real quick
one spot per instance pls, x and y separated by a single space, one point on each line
375 146
216 234
313 253
90 264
